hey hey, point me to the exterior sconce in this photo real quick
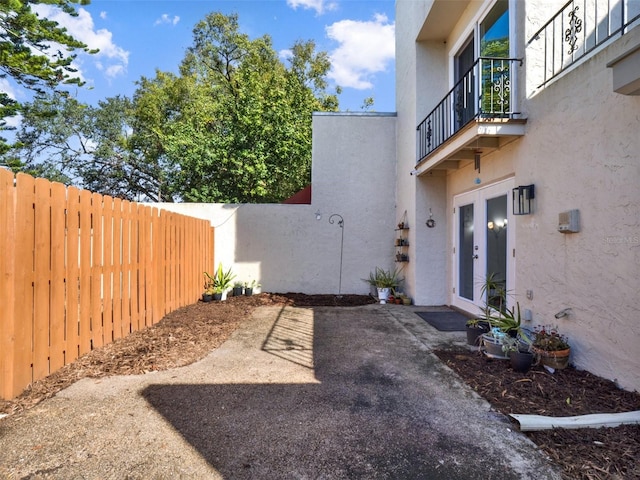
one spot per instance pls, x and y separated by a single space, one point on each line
523 199
497 226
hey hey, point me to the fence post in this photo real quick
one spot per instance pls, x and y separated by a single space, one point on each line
7 283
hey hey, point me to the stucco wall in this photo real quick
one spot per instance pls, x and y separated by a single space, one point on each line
581 152
285 248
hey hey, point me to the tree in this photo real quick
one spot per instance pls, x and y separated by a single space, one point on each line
246 136
67 141
233 126
26 43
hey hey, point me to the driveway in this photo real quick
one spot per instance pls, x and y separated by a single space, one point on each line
295 393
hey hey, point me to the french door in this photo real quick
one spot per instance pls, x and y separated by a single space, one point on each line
483 243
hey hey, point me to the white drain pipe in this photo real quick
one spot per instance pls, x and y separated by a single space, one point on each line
530 423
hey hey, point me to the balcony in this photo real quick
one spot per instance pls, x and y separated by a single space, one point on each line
579 28
477 116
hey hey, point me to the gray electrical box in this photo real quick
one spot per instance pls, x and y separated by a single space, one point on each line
569 222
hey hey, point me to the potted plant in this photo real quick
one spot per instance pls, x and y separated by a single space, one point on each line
248 287
551 347
238 288
222 282
385 282
207 295
475 328
518 350
494 307
509 321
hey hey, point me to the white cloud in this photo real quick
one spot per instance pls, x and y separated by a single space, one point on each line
166 19
103 15
11 122
285 54
365 48
320 6
82 28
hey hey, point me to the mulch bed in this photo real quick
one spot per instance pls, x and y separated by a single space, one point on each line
586 453
184 336
190 333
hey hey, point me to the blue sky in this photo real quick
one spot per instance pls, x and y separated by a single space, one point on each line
136 37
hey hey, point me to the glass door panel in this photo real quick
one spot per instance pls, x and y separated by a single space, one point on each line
466 248
496 255
481 247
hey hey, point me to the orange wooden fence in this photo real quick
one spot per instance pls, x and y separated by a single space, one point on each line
78 270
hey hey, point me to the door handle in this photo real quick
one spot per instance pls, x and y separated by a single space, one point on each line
475 257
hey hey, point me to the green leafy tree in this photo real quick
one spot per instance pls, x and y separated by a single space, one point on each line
246 134
233 126
35 52
91 147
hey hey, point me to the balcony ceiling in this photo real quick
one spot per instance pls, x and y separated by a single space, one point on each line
442 17
482 135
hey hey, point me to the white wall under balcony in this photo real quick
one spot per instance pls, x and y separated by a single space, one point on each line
285 248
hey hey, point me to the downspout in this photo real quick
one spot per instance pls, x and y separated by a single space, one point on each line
530 423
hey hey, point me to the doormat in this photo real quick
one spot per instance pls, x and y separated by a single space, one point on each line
450 321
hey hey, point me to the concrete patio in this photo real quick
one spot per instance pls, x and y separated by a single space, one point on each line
300 393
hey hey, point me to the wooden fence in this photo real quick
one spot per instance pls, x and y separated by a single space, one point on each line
79 270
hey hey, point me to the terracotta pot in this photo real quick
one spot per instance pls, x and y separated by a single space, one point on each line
557 359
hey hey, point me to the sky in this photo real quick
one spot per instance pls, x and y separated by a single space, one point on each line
138 37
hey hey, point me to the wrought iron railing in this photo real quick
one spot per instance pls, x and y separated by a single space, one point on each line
580 27
485 91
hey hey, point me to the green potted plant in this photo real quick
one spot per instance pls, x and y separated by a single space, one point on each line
509 320
238 288
222 282
250 286
475 328
493 293
207 295
551 347
385 282
519 351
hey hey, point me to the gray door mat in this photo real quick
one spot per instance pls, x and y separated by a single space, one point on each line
450 321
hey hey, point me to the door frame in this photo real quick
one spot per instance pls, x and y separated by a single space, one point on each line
479 198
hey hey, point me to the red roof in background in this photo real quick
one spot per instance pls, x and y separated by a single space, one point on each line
302 197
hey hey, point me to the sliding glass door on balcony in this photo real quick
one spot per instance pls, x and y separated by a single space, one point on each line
482 83
465 89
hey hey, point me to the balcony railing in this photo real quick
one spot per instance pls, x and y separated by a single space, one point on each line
484 92
578 28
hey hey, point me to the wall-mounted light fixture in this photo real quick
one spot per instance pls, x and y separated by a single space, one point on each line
523 199
497 226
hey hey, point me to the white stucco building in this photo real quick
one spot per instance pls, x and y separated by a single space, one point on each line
513 93
491 95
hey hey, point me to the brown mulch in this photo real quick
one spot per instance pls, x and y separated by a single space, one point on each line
184 336
586 453
190 333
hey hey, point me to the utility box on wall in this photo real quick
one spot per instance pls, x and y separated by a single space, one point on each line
569 222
